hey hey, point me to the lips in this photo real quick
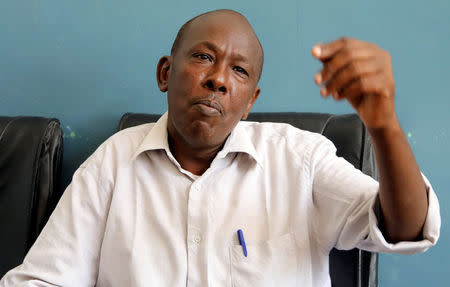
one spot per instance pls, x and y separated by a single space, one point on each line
208 107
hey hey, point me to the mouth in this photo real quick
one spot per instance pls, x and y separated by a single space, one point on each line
209 108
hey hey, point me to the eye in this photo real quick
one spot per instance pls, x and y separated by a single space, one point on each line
240 70
202 56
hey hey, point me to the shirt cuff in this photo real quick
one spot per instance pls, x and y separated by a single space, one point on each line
430 233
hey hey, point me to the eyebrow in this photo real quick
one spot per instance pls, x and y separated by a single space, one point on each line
215 48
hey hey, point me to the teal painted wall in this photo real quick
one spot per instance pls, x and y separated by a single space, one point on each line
88 62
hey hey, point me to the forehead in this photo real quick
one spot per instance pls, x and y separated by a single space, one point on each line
230 32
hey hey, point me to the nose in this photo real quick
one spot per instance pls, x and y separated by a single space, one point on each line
217 79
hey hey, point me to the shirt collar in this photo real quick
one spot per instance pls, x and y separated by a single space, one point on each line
156 139
239 141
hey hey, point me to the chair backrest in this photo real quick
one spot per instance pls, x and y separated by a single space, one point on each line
30 165
347 268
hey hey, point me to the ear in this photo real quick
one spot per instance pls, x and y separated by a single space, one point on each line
251 102
163 73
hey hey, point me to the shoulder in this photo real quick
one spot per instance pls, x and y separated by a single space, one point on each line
282 133
280 144
120 147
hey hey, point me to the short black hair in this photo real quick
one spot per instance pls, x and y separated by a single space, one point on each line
180 34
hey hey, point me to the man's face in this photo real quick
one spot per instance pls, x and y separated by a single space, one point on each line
212 79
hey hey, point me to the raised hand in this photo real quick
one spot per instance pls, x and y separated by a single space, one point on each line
360 72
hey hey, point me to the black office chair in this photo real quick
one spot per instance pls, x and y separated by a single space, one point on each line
354 268
30 165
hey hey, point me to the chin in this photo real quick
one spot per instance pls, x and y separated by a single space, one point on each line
203 134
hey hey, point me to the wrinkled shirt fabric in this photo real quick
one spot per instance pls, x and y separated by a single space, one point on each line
132 216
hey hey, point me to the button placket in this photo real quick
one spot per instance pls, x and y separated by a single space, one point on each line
195 224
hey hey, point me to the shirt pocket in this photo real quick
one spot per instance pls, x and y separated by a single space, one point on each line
272 263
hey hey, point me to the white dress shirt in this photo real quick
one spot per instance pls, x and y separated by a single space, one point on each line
132 216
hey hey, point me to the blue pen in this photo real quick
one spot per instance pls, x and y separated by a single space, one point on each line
242 241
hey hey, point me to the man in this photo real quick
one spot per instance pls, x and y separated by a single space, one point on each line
160 204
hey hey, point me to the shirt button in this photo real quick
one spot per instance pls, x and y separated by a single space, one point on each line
197 238
196 187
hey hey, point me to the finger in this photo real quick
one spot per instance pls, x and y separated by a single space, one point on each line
341 60
372 84
323 51
351 72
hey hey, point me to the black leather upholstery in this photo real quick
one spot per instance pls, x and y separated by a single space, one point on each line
30 165
347 268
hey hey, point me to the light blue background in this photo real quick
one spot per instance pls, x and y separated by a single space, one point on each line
88 62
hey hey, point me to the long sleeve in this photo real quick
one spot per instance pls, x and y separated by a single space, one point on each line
66 252
345 202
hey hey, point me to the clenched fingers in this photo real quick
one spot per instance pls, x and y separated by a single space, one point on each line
348 60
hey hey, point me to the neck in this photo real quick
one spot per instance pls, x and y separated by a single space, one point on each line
192 159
